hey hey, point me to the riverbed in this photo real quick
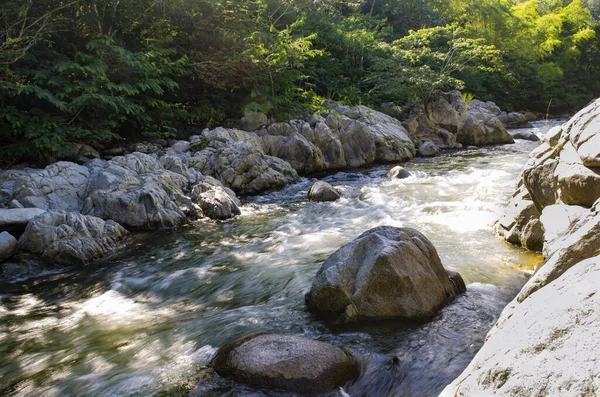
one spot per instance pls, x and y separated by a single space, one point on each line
146 321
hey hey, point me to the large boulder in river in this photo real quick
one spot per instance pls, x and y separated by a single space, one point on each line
68 238
287 362
482 128
323 191
386 272
369 136
525 134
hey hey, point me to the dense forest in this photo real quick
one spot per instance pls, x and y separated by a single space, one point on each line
96 71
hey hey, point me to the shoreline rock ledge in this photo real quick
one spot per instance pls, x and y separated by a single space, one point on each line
545 342
387 272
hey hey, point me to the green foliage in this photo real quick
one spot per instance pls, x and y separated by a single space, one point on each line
468 97
97 71
429 61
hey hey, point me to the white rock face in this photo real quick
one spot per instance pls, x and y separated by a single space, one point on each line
545 346
546 341
561 179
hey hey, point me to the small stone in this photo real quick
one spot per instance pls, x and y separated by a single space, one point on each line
398 173
8 246
323 191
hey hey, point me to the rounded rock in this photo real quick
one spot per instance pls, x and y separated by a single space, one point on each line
323 191
8 245
398 173
287 362
387 272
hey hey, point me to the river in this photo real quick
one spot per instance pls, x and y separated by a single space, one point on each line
145 322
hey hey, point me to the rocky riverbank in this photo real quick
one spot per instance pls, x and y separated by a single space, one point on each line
167 184
546 340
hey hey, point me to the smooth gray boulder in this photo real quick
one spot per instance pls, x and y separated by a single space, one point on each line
8 246
582 241
439 121
557 221
286 141
286 362
576 183
428 149
323 191
398 173
368 136
485 107
15 220
547 345
448 120
68 238
386 272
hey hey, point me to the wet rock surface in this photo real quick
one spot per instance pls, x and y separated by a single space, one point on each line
543 342
385 273
286 362
323 191
69 238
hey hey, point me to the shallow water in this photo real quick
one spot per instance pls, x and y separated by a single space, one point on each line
145 322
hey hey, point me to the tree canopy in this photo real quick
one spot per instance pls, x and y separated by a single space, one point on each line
95 71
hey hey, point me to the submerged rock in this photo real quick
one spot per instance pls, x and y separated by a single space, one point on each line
323 191
68 238
398 173
386 272
524 134
287 362
8 246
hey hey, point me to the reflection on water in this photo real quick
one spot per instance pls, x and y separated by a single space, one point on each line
143 323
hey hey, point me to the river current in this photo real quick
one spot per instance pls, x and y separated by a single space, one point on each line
146 321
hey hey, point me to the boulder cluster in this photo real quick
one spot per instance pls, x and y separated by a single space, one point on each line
149 185
449 122
546 340
386 273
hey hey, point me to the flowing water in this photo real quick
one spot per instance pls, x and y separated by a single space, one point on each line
145 322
